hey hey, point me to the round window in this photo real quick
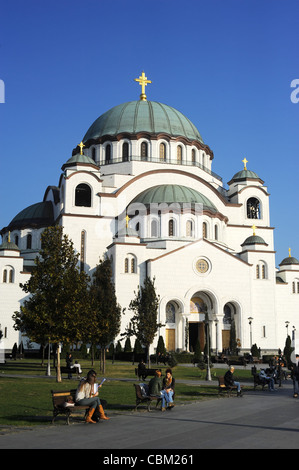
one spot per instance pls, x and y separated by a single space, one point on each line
202 266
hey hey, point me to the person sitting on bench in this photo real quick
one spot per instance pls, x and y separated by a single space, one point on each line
230 381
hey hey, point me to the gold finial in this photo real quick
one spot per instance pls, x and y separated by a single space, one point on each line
8 237
245 161
127 220
289 252
253 228
143 81
81 145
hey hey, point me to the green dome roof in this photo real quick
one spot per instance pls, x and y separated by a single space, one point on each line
142 116
9 246
254 239
78 158
243 174
289 260
169 193
37 215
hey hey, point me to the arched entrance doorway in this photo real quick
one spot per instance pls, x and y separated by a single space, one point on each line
198 310
230 328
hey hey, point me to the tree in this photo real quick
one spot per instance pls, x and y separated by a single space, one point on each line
145 305
288 349
233 340
56 308
105 311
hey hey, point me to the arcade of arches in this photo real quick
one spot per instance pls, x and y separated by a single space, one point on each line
195 329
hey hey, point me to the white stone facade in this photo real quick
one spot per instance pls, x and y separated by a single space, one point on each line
199 259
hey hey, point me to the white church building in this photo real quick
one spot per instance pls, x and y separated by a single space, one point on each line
140 188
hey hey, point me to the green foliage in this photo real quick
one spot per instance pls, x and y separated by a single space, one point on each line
138 349
255 351
128 347
233 340
288 350
144 306
56 308
105 311
161 346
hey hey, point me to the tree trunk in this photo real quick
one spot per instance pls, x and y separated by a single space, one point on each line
58 375
49 360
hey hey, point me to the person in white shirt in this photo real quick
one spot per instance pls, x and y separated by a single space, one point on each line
86 395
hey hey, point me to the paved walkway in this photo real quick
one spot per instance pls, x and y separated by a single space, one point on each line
259 420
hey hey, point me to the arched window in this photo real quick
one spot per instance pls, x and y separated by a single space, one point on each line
154 228
261 270
93 153
17 240
170 313
108 154
162 152
144 150
257 271
193 154
171 228
126 265
130 264
125 150
8 275
204 230
253 208
29 241
216 232
189 228
83 195
179 154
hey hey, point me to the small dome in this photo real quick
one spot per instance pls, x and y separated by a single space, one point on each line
289 260
254 240
9 246
127 232
78 158
244 174
173 193
142 116
38 215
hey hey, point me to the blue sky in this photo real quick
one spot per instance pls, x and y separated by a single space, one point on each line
226 64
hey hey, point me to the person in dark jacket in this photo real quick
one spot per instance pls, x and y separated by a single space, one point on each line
155 384
230 381
295 376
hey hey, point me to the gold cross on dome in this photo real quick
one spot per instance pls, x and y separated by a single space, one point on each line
245 161
143 81
81 145
127 220
253 228
289 252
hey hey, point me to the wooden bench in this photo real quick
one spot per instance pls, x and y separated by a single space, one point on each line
258 381
224 388
144 373
142 398
60 404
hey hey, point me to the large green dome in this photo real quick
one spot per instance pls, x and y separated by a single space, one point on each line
142 116
37 215
173 193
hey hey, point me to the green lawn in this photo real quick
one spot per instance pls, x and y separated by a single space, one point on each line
27 400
